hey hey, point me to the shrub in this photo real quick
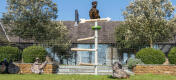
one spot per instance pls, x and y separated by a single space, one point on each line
151 56
10 53
30 53
172 56
132 62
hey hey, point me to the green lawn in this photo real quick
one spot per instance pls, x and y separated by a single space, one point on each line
82 77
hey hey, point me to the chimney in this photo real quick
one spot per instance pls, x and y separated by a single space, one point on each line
76 18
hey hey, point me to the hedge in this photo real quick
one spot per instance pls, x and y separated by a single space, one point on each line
10 53
172 55
151 56
30 53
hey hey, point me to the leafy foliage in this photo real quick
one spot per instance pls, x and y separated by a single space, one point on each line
34 20
146 21
132 62
30 53
10 53
31 19
172 56
125 39
62 43
151 56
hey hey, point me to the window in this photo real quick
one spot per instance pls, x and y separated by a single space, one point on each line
89 57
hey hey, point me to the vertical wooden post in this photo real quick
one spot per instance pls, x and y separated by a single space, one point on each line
96 49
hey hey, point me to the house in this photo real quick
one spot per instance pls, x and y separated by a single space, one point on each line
107 49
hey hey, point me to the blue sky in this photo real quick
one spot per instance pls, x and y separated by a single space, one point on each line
66 8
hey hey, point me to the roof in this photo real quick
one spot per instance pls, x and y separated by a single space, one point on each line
84 30
2 35
12 38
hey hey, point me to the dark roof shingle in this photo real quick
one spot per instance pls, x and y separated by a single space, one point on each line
83 30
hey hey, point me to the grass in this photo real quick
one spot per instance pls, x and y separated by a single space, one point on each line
81 77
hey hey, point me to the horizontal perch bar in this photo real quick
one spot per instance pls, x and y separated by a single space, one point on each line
85 38
78 49
86 64
93 20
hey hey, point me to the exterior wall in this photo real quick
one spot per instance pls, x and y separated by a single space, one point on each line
25 68
89 57
108 56
111 55
115 55
155 69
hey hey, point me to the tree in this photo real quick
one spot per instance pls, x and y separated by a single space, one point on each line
30 19
146 22
173 23
62 42
35 20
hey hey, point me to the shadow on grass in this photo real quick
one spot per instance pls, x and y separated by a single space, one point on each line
111 77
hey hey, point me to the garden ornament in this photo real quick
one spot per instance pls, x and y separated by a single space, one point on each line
94 13
118 72
2 67
12 68
37 67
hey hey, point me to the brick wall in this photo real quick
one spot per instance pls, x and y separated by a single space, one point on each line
25 68
155 69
